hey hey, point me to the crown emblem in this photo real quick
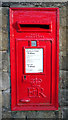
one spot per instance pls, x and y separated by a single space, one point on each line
36 82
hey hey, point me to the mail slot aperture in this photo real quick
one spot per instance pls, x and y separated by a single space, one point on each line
34 58
21 27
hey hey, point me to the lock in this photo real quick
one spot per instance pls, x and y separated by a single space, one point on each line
34 58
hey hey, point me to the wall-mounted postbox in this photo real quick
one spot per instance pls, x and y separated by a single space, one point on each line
34 58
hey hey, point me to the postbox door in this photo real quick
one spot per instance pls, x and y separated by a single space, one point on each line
34 58
33 72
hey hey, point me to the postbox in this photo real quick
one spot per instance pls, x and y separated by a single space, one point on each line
34 58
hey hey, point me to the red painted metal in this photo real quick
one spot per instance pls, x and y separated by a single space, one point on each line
34 91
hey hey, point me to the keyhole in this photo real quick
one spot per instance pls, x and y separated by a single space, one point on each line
24 77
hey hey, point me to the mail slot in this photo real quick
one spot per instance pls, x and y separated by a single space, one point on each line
34 58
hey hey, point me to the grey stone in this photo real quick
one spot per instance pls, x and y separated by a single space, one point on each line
63 22
62 38
5 81
0 40
5 19
0 10
63 83
5 41
5 28
62 11
63 97
62 16
40 114
5 11
60 60
65 113
0 19
59 112
0 60
63 61
6 114
67 41
33 1
19 114
0 80
6 99
0 105
5 61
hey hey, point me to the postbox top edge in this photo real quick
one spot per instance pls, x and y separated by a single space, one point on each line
31 8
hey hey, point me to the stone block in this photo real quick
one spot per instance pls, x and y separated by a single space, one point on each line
0 10
0 40
0 19
6 99
60 60
67 9
0 80
63 22
40 114
5 10
65 113
5 23
6 114
63 82
5 81
67 41
19 114
5 28
36 1
63 61
5 41
0 105
5 61
62 11
5 19
31 114
63 97
62 39
0 60
35 114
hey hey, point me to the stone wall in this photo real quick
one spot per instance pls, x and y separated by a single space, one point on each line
5 86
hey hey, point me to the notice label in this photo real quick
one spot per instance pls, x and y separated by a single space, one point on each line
34 60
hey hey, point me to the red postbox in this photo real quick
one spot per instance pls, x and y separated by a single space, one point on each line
34 58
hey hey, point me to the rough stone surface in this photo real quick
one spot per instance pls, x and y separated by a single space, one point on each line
40 114
0 105
5 28
67 42
5 61
63 79
0 80
6 114
0 60
0 40
32 114
6 99
65 113
63 61
0 18
62 38
31 1
63 13
5 81
63 98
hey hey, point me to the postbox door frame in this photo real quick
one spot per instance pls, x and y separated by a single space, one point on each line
14 106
